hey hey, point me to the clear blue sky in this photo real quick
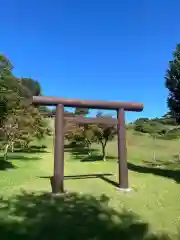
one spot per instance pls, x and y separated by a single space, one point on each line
94 49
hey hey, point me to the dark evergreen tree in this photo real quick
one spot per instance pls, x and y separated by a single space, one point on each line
172 83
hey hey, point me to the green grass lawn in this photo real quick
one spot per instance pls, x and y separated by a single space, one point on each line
153 207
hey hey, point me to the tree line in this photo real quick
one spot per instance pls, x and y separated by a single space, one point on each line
87 134
21 122
166 127
83 134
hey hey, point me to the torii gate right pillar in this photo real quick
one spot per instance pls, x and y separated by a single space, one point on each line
122 150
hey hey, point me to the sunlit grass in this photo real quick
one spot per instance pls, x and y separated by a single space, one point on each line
155 197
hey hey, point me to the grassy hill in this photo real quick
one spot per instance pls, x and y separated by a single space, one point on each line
154 199
142 147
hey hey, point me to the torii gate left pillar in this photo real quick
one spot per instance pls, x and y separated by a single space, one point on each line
57 181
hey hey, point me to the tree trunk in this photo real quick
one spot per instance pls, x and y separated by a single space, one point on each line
12 147
154 156
154 151
88 146
89 149
6 151
103 151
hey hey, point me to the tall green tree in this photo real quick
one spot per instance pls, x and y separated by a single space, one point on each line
88 134
104 133
33 86
13 88
5 66
172 83
22 125
20 121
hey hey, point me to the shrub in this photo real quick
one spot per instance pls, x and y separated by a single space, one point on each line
151 127
130 126
171 134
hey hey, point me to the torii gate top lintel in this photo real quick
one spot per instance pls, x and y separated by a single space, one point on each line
68 102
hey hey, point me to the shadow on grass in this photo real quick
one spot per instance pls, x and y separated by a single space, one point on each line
86 176
68 216
5 165
8 164
95 157
80 152
14 157
102 176
168 173
173 163
32 149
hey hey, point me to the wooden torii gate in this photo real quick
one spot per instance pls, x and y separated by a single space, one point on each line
57 180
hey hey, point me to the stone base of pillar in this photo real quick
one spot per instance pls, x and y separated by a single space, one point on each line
124 189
